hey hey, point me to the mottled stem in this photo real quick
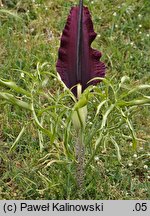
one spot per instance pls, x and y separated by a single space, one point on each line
79 152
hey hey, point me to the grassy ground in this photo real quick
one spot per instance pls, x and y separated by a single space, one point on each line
40 163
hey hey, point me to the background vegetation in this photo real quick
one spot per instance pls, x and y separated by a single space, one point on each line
37 143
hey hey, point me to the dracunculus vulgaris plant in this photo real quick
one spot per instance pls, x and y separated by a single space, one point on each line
78 66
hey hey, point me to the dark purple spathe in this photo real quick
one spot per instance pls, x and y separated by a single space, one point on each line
90 66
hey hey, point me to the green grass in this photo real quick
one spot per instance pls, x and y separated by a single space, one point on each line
37 159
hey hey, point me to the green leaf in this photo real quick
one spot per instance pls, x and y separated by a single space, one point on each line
136 89
79 118
10 98
143 101
100 106
38 123
83 100
117 148
17 139
13 86
8 12
104 120
134 139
